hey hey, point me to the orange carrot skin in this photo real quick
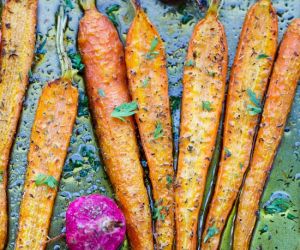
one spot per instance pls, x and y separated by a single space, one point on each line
16 58
50 137
154 111
204 81
278 104
103 56
251 70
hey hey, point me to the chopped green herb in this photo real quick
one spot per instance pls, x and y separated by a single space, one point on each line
262 56
189 63
49 181
125 110
278 205
256 108
211 231
101 92
291 216
157 211
241 165
152 53
1 175
145 82
158 132
264 229
206 105
169 181
227 152
76 61
212 73
110 13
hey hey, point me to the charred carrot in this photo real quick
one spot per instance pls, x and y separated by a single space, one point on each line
105 74
148 83
16 58
249 77
204 83
50 137
278 104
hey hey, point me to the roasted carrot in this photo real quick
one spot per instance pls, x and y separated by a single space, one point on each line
50 137
148 83
105 74
16 57
252 66
278 104
204 83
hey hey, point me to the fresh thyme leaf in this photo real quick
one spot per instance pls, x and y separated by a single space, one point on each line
101 92
189 63
262 56
145 82
125 110
211 231
76 61
206 105
158 132
152 53
43 179
256 108
227 153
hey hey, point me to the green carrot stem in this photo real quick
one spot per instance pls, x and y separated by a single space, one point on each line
88 4
214 7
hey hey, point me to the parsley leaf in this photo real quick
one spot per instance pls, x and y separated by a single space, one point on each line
101 92
145 82
125 110
49 181
152 53
189 63
211 231
157 211
158 132
256 108
262 56
76 61
206 105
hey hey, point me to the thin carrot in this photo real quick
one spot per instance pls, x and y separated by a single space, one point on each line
252 66
280 96
105 75
204 83
17 54
148 83
50 137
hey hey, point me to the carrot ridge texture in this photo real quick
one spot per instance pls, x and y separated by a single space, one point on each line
17 49
105 75
249 77
280 96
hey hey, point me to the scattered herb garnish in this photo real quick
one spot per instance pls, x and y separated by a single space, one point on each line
101 92
110 13
211 231
241 165
76 61
256 108
227 153
212 73
264 229
278 205
1 175
206 105
125 110
158 132
189 63
157 211
145 82
169 181
49 181
152 53
262 56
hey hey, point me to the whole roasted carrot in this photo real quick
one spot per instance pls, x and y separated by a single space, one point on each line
204 84
105 74
16 58
278 104
50 137
249 77
148 83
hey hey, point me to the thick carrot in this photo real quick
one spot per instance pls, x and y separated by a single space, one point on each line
50 137
16 58
105 75
249 77
278 104
204 83
148 83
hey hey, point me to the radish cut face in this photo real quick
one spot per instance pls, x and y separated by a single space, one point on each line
94 222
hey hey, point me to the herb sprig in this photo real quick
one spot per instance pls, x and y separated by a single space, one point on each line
158 132
255 107
211 231
125 110
152 53
47 180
